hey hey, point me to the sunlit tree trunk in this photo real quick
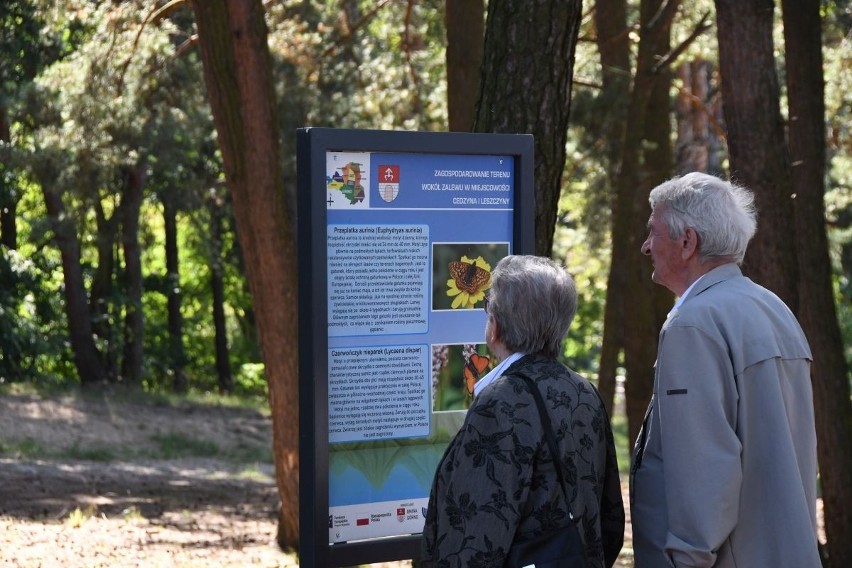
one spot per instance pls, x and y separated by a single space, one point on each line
817 312
237 71
528 64
464 21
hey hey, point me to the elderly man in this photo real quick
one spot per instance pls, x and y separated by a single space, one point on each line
724 469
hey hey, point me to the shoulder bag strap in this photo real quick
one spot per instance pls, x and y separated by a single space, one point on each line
549 436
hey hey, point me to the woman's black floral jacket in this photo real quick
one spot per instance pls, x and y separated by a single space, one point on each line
497 482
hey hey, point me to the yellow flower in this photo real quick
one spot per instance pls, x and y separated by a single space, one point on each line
468 284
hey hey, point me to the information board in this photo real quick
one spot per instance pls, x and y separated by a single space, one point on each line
398 234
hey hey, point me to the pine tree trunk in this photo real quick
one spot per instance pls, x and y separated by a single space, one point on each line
614 48
817 313
640 171
528 64
131 203
86 356
177 355
101 294
8 201
237 71
464 21
217 286
697 143
759 159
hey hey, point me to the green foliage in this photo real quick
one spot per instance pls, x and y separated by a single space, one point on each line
94 90
581 244
362 66
27 44
588 266
117 97
29 314
249 380
110 94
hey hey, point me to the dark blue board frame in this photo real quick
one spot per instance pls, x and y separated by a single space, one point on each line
312 147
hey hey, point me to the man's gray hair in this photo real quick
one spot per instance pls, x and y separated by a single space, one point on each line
534 301
721 213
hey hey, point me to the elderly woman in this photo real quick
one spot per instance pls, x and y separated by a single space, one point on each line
496 483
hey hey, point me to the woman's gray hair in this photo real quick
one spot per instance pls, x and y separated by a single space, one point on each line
721 213
534 300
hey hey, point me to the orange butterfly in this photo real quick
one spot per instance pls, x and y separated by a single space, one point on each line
468 276
473 369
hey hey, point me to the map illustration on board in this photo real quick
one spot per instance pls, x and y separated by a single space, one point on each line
347 180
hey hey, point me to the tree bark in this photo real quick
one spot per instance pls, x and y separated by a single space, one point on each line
223 362
817 312
638 174
131 203
86 356
464 21
177 355
237 71
8 197
101 293
759 159
696 141
528 64
613 44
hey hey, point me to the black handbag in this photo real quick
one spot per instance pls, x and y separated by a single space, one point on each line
562 548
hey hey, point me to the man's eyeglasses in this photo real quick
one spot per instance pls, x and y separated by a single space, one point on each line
485 303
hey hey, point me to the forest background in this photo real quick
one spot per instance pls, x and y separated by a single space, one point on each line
147 175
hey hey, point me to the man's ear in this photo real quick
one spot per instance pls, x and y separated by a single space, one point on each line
689 243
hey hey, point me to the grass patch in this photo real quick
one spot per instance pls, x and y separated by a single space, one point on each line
251 454
29 449
171 442
173 446
24 449
42 388
193 398
135 394
75 452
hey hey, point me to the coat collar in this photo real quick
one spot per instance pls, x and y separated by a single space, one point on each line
708 280
718 274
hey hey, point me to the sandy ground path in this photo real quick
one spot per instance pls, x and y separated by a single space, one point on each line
131 510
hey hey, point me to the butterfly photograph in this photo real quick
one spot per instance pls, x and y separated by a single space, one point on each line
455 372
461 273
